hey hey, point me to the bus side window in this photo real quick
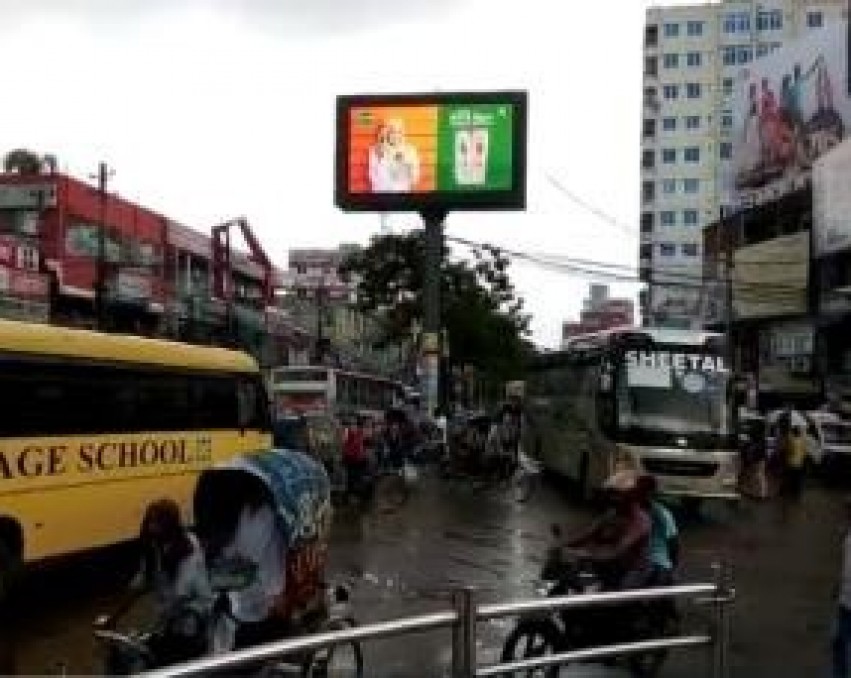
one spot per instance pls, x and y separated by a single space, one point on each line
216 404
253 405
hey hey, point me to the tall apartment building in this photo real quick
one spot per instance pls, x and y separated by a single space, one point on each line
693 55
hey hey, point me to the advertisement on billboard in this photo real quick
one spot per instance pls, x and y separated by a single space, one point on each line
832 201
791 107
770 278
431 151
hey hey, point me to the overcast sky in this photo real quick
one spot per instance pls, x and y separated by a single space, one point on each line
209 109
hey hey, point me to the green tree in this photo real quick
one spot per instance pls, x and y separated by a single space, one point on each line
481 311
22 161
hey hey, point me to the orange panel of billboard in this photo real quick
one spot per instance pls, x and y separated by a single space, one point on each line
408 133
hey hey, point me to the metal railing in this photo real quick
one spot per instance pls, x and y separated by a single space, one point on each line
463 620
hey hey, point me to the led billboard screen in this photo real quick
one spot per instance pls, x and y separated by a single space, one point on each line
431 151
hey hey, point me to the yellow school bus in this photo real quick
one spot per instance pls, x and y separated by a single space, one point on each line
94 427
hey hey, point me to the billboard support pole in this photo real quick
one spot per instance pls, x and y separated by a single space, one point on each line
433 220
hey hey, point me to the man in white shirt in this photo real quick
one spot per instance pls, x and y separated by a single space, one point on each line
257 539
842 629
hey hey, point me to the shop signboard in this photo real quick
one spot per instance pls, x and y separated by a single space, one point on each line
771 278
31 196
419 152
832 201
23 284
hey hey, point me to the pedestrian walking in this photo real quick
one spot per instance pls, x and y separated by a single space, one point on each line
354 454
842 623
796 457
754 456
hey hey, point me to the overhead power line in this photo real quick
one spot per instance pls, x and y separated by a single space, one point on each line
591 208
620 273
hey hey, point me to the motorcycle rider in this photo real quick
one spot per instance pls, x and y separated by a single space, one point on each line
618 543
664 535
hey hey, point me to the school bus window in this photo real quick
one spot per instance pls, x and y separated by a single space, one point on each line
253 410
216 403
164 403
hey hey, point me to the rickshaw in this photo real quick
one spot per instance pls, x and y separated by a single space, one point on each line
296 489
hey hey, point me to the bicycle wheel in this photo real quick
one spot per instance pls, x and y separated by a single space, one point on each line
531 639
391 492
338 661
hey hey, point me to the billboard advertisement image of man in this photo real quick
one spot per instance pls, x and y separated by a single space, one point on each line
394 164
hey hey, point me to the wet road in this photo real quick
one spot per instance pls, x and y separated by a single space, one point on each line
785 564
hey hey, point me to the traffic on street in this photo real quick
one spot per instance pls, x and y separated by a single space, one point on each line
428 338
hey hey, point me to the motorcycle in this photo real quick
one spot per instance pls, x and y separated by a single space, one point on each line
567 573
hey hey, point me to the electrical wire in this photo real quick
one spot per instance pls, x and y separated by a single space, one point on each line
622 273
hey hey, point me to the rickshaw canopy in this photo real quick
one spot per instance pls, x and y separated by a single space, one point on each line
293 483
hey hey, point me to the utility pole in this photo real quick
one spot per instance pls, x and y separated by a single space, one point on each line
728 305
103 176
431 302
320 325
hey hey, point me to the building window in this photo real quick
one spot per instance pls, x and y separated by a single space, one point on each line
690 249
667 249
729 56
651 66
744 55
690 217
645 251
651 36
669 186
694 28
668 218
727 86
691 154
693 122
672 30
694 59
769 20
671 60
725 150
28 258
776 19
815 19
669 124
693 90
670 92
648 191
669 156
691 185
737 22
726 121
648 128
648 159
647 222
